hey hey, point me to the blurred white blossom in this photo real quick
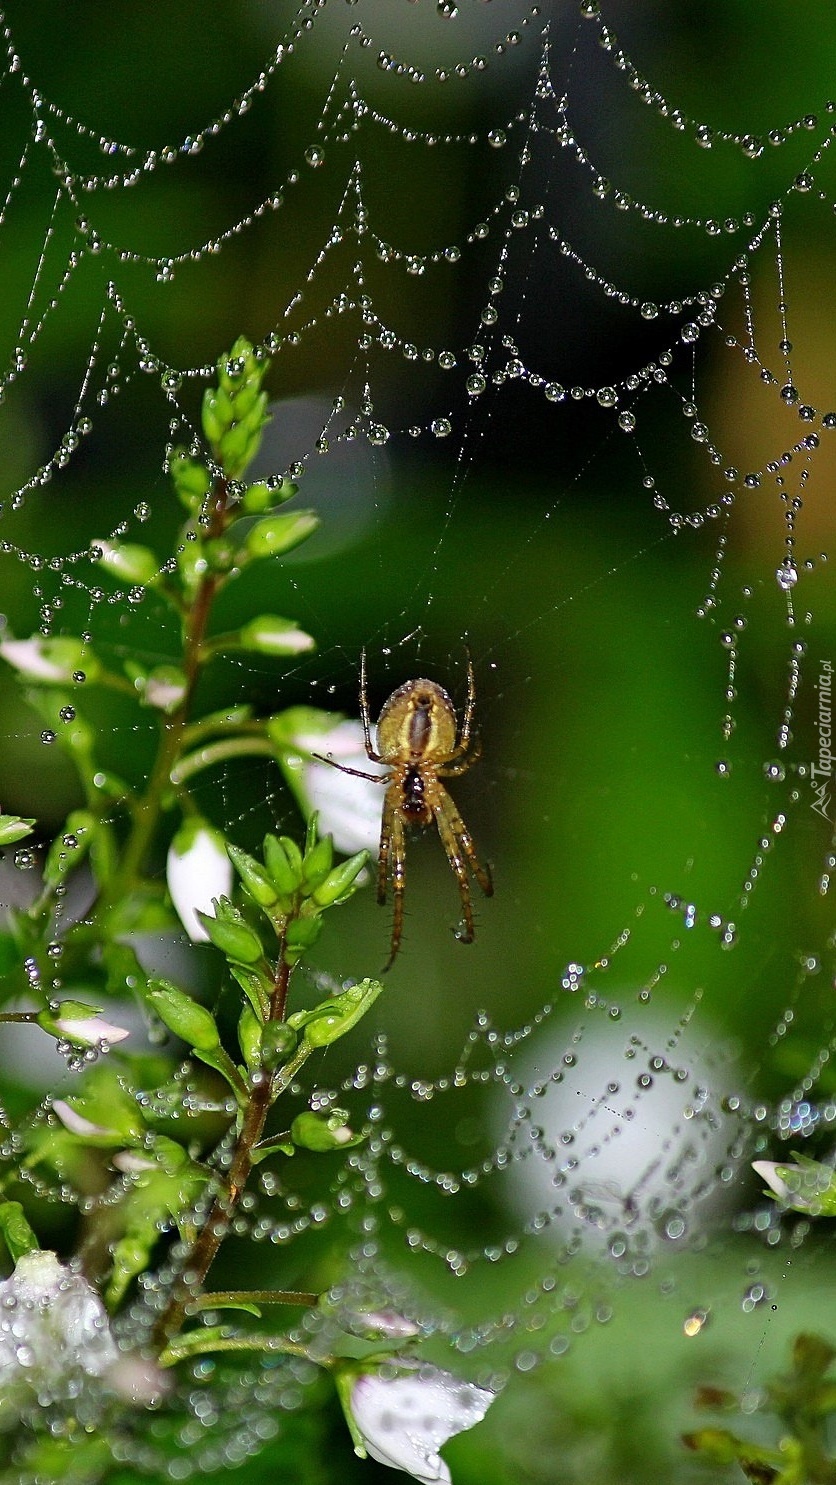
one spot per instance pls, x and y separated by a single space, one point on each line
403 1420
197 869
32 659
54 1335
349 808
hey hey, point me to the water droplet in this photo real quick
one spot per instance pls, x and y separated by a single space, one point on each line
787 574
441 427
627 421
314 156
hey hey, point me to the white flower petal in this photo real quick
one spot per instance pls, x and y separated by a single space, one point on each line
27 656
54 1331
768 1172
75 1122
90 1031
197 869
404 1420
349 808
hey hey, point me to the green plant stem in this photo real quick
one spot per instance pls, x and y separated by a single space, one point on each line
263 1094
146 812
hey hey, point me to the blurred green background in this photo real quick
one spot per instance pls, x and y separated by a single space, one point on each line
527 534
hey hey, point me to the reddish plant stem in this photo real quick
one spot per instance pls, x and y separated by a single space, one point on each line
217 1224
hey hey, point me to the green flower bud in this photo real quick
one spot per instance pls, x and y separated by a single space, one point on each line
17 1234
127 561
249 1037
192 480
317 864
270 635
50 661
13 829
217 414
255 878
301 935
231 933
278 1040
278 534
263 495
285 871
340 882
320 1132
332 1018
182 1015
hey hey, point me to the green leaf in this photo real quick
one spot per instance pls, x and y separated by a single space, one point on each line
332 1018
17 1234
191 1022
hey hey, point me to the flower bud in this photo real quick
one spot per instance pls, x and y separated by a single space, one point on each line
50 661
278 1040
320 1132
164 688
231 933
249 1037
17 1234
197 871
270 635
339 883
803 1184
192 481
264 495
13 829
317 863
285 872
182 1015
127 561
332 1018
403 1420
81 1024
256 880
278 534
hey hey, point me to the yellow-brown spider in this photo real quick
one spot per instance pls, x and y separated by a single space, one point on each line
419 742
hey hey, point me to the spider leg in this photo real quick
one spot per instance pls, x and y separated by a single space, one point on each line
463 748
470 704
357 773
396 854
452 770
364 712
461 853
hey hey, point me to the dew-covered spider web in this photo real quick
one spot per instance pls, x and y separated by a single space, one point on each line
549 316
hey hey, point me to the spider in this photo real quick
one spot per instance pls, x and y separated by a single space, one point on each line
417 740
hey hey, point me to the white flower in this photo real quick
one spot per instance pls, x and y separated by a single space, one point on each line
30 657
197 869
54 1333
403 1420
89 1031
768 1171
349 808
77 1123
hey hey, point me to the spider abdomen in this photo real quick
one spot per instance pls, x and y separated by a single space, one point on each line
413 798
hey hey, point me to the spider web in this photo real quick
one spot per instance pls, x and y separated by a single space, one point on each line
549 356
